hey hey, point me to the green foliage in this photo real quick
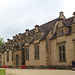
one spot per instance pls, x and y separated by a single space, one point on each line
2 72
1 41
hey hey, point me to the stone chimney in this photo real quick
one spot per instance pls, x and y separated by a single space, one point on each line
20 35
61 15
5 43
8 40
14 38
74 17
36 28
16 35
27 32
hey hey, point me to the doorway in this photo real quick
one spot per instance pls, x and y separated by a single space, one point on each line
17 61
23 56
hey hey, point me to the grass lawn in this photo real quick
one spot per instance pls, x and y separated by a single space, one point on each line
2 72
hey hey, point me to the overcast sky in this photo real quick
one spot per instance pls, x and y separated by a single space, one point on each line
18 15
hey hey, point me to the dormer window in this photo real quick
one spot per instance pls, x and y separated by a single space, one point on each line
27 40
36 37
61 32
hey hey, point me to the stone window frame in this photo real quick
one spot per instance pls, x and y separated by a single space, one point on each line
23 55
27 39
61 32
0 56
0 63
36 37
61 44
37 57
12 55
7 56
26 53
74 47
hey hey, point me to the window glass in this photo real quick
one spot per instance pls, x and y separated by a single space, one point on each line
7 56
63 56
62 53
61 33
12 55
36 37
36 52
60 56
27 54
0 56
60 49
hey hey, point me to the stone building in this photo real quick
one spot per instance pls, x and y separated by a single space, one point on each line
49 45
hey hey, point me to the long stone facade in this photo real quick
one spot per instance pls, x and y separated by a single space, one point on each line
51 45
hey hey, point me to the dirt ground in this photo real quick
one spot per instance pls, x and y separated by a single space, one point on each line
38 72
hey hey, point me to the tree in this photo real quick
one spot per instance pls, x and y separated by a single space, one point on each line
1 41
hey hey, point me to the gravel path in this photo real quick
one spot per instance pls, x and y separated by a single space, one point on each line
38 72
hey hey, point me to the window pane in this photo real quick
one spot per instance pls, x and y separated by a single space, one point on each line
62 32
0 56
12 55
60 56
36 37
63 56
63 48
36 52
59 33
27 54
7 56
60 49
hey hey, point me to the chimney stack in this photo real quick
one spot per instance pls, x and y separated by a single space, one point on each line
36 28
27 32
20 35
74 17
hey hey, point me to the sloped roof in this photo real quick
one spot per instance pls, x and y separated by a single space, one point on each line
68 23
54 36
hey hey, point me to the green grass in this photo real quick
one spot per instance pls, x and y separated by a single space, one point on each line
2 72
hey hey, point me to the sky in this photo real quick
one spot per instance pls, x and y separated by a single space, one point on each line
18 15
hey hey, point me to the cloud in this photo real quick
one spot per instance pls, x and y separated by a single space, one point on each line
68 7
18 15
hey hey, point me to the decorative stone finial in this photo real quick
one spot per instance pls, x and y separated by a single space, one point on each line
74 13
16 35
8 39
36 25
61 15
74 17
27 30
20 34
